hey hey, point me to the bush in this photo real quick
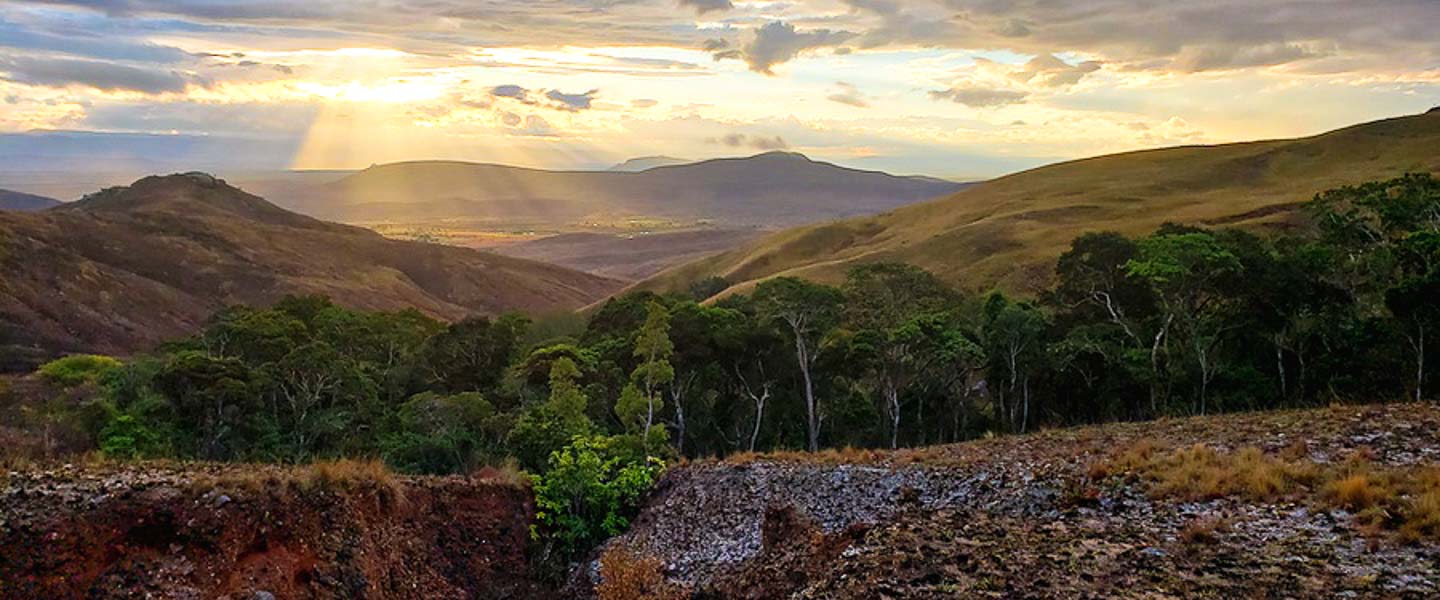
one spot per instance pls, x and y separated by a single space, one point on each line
127 436
78 369
593 488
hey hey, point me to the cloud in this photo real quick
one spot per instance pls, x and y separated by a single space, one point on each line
848 94
980 97
740 140
88 45
571 102
1046 70
535 126
704 6
106 76
1223 58
511 91
778 42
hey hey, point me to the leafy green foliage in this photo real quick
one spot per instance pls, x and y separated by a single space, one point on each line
78 369
591 491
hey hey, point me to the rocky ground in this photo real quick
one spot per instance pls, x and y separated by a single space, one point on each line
1031 517
211 531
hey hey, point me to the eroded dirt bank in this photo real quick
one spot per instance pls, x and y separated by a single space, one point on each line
260 532
1054 515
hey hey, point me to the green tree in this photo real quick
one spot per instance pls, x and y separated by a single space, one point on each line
472 355
1186 272
896 313
1013 334
808 311
654 349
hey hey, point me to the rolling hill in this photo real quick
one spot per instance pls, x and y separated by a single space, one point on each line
1008 232
772 189
20 201
128 267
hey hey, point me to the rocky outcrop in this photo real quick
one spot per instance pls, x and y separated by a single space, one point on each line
260 532
1025 517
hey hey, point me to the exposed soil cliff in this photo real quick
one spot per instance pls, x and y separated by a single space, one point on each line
260 532
1061 515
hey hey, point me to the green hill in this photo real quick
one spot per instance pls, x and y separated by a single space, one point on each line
1008 232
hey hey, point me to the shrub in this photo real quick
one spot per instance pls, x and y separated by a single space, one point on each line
593 488
78 369
126 436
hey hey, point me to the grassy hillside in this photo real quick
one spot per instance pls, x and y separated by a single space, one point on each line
129 267
1008 232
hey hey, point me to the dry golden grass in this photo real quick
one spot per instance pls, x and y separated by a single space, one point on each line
1204 530
1403 500
626 576
506 473
832 456
347 475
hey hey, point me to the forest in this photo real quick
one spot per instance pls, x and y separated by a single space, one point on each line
1334 307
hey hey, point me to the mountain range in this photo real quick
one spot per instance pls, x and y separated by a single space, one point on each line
1007 232
128 267
768 190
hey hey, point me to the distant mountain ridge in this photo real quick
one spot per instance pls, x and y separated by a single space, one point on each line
20 201
128 267
645 163
1007 232
776 188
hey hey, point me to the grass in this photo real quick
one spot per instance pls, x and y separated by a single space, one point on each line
1007 232
1404 501
625 575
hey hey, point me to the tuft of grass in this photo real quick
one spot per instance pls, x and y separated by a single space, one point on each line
625 575
1203 531
1358 492
350 475
506 473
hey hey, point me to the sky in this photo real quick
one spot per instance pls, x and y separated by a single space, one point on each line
950 88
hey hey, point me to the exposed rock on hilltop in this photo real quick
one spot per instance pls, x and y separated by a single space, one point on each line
1033 517
242 532
128 267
